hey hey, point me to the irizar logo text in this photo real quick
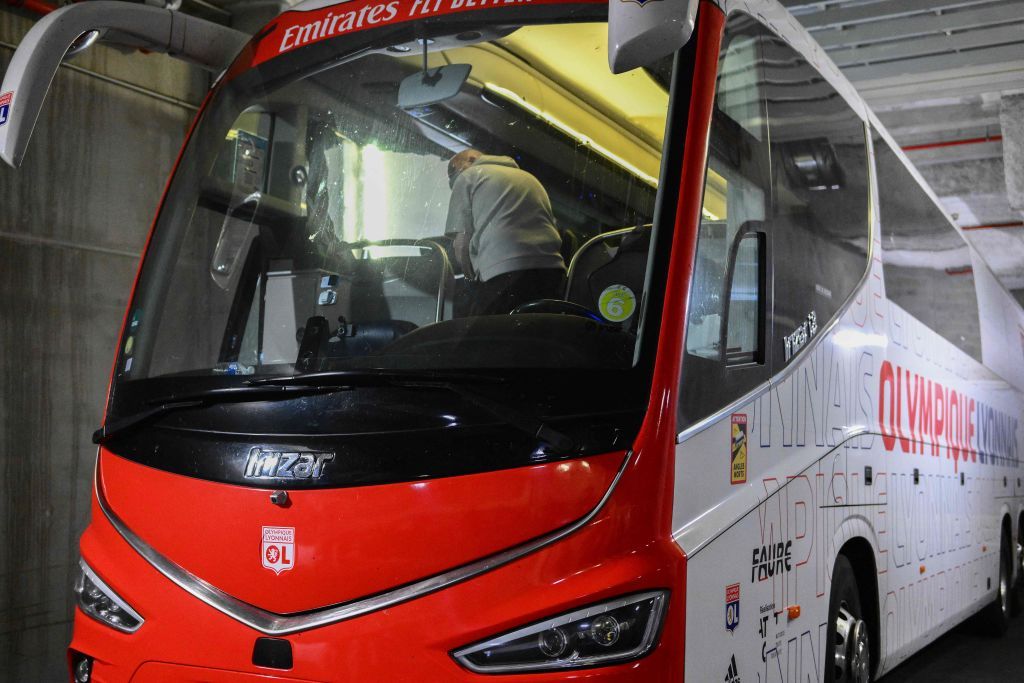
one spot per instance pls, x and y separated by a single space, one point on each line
263 464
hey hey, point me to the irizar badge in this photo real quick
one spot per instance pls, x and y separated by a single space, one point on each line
278 550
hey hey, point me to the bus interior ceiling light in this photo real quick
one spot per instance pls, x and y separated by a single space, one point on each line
576 135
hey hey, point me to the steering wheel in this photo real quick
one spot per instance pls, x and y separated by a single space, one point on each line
556 306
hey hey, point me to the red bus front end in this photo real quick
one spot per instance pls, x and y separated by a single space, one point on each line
320 462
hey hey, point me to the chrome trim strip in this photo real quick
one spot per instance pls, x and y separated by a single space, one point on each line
791 367
271 623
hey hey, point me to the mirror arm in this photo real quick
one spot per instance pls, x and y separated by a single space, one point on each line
45 47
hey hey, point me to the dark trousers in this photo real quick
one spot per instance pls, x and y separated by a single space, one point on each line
502 293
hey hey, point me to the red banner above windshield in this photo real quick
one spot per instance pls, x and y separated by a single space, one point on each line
296 29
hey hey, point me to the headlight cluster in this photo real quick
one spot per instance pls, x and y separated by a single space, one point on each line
608 633
102 604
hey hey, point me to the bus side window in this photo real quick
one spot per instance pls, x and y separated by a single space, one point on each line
726 333
927 265
820 200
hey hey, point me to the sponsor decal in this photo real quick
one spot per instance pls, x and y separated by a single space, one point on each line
919 415
617 303
732 607
263 464
738 450
769 560
296 29
732 674
5 107
278 550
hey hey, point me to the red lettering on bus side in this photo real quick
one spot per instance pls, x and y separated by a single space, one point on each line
904 442
953 428
913 402
926 412
970 431
939 416
885 377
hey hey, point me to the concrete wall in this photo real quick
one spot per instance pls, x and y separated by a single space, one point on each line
72 223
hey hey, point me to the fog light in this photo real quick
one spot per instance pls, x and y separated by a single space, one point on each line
100 602
609 633
81 668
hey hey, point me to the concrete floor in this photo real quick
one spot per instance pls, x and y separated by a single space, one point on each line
963 656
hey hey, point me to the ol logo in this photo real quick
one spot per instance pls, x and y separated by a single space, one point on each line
732 607
5 107
641 2
278 550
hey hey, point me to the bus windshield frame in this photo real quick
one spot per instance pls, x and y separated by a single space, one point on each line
555 389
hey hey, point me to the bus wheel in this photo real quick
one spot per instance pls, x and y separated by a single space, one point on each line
995 618
1017 603
848 653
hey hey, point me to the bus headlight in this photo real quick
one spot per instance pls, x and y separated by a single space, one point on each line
608 633
96 599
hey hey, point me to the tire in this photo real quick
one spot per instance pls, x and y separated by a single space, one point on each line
848 648
1017 604
995 618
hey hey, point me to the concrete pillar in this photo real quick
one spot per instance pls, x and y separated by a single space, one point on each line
72 223
1011 120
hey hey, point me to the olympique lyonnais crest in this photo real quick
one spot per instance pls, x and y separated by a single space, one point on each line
5 106
732 607
278 550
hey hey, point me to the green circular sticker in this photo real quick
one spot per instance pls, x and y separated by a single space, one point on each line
617 303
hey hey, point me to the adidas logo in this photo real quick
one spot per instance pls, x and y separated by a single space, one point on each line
732 675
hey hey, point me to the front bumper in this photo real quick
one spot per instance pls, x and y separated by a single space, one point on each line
184 639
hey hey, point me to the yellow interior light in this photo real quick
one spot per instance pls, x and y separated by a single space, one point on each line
576 135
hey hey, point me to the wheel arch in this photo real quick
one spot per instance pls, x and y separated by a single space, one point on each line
861 554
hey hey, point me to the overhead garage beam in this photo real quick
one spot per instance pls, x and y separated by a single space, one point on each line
875 12
988 57
918 25
931 45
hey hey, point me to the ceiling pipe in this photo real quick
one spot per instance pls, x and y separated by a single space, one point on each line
995 226
37 6
953 143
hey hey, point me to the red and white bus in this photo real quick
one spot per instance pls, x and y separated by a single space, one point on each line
769 433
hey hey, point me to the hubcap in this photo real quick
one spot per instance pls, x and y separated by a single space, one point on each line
852 650
1004 589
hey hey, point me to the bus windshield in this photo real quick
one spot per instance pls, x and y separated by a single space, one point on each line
324 219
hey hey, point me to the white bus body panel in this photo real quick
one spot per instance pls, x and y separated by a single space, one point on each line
811 435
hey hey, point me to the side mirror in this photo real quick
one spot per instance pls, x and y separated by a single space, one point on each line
69 30
643 31
432 86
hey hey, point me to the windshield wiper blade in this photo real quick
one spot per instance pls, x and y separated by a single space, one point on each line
376 377
202 399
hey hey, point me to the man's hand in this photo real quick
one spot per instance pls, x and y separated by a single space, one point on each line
461 247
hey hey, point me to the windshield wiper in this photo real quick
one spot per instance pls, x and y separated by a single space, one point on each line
455 382
373 377
202 399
